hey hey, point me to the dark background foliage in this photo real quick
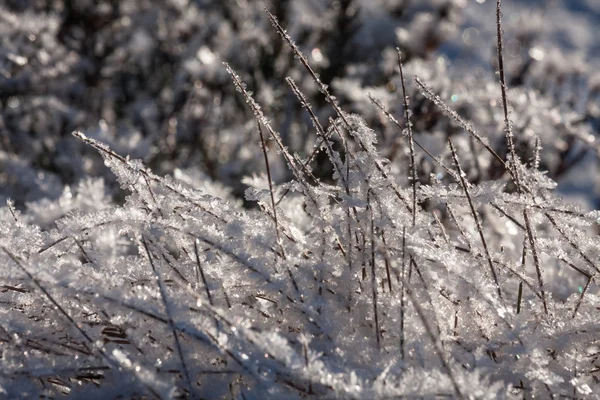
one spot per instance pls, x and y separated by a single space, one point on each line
146 78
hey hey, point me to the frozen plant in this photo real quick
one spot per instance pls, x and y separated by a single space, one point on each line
369 283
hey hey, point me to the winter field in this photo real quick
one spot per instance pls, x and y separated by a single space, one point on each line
299 199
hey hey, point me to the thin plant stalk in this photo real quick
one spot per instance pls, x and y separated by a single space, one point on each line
476 218
200 274
263 146
413 167
510 142
373 276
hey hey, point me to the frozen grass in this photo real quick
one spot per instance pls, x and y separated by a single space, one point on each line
365 284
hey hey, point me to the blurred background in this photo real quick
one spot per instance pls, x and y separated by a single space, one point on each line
146 78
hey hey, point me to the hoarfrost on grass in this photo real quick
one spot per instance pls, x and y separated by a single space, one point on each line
178 286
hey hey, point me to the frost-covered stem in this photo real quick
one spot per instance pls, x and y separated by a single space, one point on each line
413 166
536 259
200 274
523 260
513 154
373 276
436 344
585 288
402 293
507 122
352 235
171 263
460 229
299 172
413 263
574 267
364 257
152 196
413 179
385 175
319 279
163 295
305 354
263 146
348 220
11 208
305 166
507 215
323 139
519 297
475 217
441 226
536 152
387 261
455 326
83 252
